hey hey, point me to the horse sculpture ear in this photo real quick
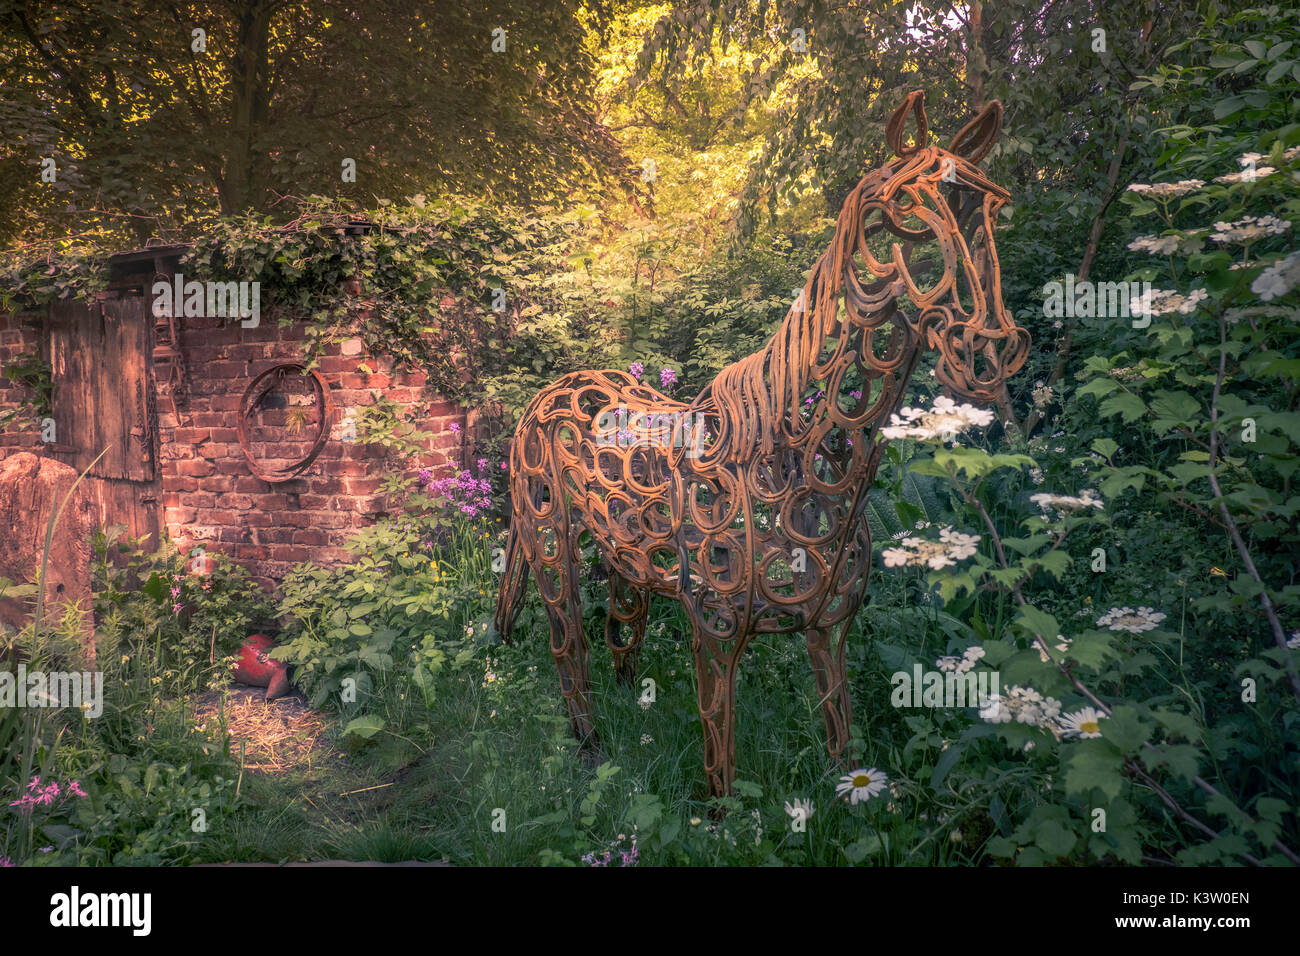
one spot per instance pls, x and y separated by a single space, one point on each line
894 128
977 137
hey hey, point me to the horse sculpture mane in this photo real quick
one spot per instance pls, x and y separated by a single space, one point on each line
748 507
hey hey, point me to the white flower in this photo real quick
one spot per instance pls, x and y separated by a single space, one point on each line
943 421
800 809
952 546
1167 190
1023 705
1247 175
1195 297
1156 245
1278 279
995 710
1063 646
861 785
1063 503
1160 302
947 663
1127 619
1043 396
646 739
1248 229
973 653
1251 159
1293 641
1036 476
1082 723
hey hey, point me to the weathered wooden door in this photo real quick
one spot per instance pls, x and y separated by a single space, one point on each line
103 401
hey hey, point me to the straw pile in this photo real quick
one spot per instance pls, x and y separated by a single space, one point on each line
278 735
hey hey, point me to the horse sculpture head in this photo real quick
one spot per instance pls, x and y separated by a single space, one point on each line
943 277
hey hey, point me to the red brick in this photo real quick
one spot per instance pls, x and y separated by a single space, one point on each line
194 469
178 483
220 517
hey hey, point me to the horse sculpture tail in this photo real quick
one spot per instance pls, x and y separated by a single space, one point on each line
509 598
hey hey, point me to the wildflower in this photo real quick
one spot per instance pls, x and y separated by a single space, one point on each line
1058 324
1247 175
637 370
861 785
176 591
5 861
800 808
667 378
646 740
1293 642
1278 279
1036 476
1024 705
1127 619
1160 302
1248 229
1167 190
952 546
176 608
1063 646
943 421
455 428
1063 503
1156 245
482 464
695 821
1082 723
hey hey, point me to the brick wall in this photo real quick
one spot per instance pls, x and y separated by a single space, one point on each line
18 334
209 496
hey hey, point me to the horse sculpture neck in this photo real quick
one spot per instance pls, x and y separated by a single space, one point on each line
762 401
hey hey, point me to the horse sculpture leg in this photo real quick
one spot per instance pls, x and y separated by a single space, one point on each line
832 685
627 605
715 675
569 648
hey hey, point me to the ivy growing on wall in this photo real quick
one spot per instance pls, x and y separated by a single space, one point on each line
485 300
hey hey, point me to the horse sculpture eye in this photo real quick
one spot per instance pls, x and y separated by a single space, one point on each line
755 528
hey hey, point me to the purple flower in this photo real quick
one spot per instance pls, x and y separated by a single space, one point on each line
482 464
455 428
637 370
425 476
5 861
667 378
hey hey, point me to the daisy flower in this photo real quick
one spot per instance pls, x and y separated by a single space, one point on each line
1082 723
861 785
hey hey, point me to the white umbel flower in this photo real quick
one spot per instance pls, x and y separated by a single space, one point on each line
943 421
952 546
1088 499
1127 619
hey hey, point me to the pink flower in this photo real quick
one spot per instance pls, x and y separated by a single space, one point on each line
74 788
176 608
482 464
504 466
637 370
667 378
455 428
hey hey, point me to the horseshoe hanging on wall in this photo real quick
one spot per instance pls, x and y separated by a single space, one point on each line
253 395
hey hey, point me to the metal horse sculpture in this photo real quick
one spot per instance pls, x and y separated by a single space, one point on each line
748 508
